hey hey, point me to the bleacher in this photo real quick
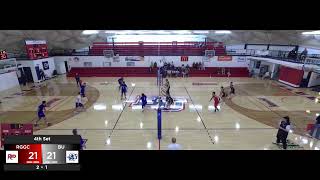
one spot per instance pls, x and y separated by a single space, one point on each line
158 49
145 72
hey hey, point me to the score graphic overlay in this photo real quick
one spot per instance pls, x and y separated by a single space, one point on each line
42 152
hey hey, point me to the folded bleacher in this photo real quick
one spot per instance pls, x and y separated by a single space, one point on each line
146 72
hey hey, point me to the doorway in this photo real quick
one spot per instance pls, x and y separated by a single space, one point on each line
66 66
28 74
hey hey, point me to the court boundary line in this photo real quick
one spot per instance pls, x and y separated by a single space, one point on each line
113 129
204 125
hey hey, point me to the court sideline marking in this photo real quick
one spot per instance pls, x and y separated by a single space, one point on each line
120 114
204 125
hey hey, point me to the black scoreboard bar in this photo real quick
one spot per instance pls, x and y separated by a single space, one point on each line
42 139
42 167
42 153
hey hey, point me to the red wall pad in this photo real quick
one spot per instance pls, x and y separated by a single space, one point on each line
290 76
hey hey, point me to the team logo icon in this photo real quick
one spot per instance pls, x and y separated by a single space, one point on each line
11 156
72 157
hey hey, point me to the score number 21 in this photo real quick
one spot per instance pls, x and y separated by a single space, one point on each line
34 155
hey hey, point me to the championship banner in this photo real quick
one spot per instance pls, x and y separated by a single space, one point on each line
3 55
45 65
134 58
241 58
184 58
224 58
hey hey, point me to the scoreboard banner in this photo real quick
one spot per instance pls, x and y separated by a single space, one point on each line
42 152
3 55
31 42
184 58
36 49
224 58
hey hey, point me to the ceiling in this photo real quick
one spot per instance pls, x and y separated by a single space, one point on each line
13 40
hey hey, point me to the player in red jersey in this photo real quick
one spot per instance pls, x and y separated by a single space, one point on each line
215 101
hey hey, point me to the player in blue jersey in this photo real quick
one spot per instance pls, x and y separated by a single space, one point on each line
41 114
82 141
83 89
120 82
143 100
124 88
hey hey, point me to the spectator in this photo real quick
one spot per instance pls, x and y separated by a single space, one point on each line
223 71
183 70
314 132
155 65
187 71
303 55
77 77
293 53
42 75
174 145
228 73
266 75
151 65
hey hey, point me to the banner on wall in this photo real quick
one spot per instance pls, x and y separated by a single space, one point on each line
224 58
116 58
76 59
130 64
45 65
3 55
184 58
291 76
241 58
134 58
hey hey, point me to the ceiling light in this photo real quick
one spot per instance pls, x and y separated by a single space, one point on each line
200 32
161 32
182 32
99 107
108 141
216 138
88 32
311 33
237 126
157 38
222 32
177 129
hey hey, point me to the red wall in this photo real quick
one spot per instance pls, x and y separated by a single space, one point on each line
291 75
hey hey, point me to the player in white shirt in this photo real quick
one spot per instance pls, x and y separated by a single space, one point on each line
79 105
174 145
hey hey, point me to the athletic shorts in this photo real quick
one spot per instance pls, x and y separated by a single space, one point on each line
79 105
41 115
144 104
